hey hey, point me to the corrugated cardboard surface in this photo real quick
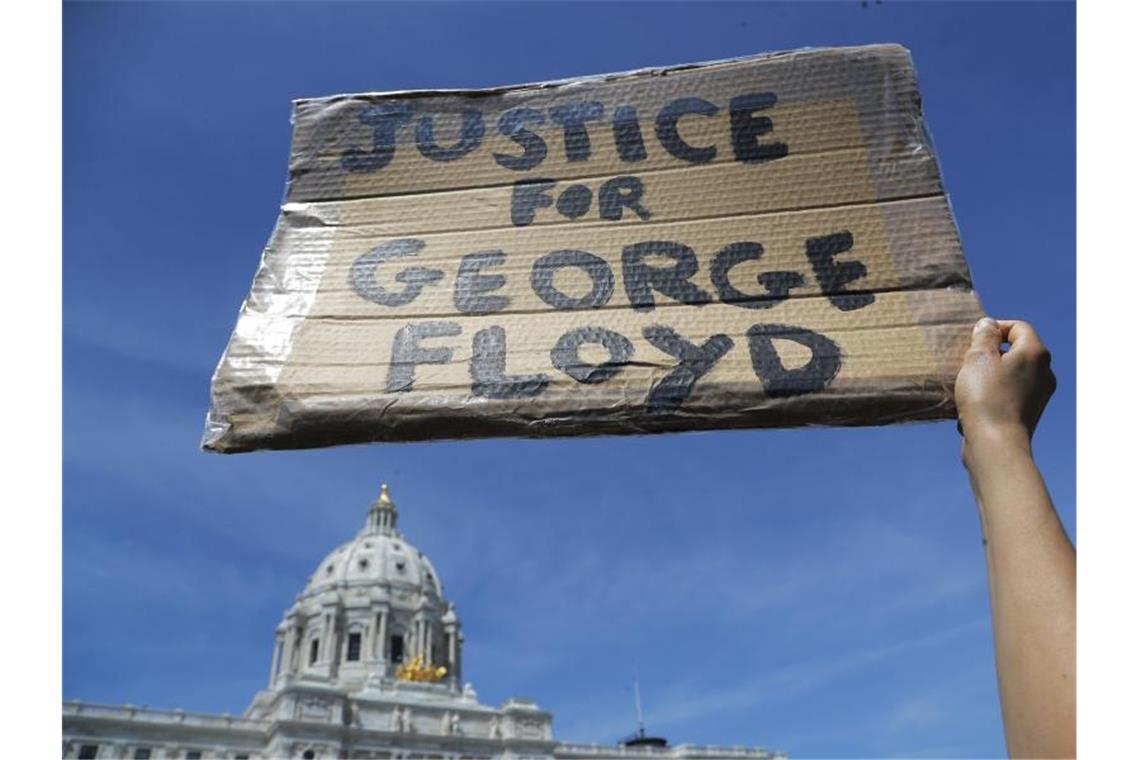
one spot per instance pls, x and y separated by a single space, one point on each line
808 273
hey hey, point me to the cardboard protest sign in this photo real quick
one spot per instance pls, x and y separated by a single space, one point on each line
751 243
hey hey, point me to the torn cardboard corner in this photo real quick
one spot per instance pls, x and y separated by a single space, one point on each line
761 242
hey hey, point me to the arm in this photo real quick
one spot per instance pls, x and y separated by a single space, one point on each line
1031 562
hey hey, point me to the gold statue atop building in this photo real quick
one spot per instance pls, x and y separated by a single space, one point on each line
419 670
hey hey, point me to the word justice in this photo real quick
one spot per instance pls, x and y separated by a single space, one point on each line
389 122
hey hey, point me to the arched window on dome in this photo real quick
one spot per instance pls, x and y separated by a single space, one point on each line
314 650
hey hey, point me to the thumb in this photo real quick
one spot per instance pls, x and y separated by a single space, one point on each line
986 337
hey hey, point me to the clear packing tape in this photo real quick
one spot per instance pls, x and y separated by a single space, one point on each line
761 242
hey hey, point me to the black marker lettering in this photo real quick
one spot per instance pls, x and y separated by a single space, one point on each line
601 279
488 368
470 137
471 284
627 134
776 284
747 128
834 275
817 374
362 275
642 280
512 124
407 352
574 201
528 195
572 118
619 192
670 392
385 120
671 139
564 355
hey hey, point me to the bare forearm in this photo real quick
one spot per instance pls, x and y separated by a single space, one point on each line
1032 571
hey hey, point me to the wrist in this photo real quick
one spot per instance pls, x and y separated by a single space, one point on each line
996 443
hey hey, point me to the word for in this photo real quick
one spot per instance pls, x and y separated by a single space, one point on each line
388 120
575 201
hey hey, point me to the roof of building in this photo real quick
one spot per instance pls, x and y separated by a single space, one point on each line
378 557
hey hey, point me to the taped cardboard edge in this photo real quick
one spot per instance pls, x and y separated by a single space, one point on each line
880 172
957 277
885 49
261 331
328 421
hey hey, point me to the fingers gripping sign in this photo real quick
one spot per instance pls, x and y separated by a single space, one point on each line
1003 391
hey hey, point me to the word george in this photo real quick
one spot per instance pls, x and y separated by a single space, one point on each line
475 289
389 119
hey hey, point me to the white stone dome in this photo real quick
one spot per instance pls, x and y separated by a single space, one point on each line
378 557
385 561
374 613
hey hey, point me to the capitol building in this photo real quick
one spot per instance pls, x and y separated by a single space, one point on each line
366 663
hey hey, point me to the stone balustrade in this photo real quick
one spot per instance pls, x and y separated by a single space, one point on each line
165 717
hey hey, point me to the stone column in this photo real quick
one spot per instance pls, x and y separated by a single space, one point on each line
382 635
335 650
326 645
291 646
369 649
278 648
458 664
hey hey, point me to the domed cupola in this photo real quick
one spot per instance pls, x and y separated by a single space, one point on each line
382 515
373 611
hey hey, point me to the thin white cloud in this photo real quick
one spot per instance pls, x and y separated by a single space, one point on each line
174 347
188 580
693 701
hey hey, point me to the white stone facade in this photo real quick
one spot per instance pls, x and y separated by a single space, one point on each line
335 691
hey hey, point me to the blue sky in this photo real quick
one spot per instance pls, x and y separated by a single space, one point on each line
816 591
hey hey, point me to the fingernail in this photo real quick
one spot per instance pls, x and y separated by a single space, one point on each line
987 323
